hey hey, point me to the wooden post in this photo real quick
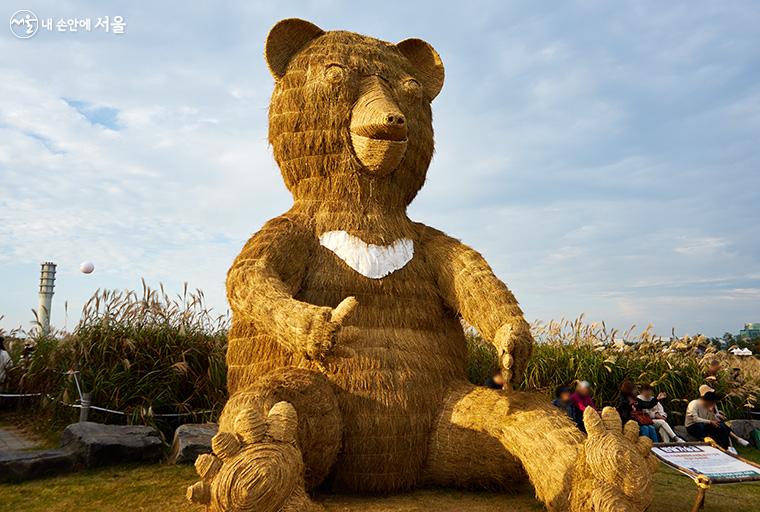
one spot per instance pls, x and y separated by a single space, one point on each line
84 411
699 502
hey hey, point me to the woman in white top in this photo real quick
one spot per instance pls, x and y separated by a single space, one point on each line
656 411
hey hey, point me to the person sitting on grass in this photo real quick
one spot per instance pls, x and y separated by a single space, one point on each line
564 402
652 405
628 409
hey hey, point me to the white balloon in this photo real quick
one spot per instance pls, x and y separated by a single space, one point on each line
86 267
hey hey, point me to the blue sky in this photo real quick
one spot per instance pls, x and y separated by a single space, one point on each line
603 156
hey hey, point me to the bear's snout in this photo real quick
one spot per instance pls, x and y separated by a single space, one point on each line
378 128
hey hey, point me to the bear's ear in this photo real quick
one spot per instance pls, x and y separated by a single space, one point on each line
285 40
427 62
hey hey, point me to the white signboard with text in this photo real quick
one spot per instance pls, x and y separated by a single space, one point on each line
706 460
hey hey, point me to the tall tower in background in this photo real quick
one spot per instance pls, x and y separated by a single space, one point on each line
47 283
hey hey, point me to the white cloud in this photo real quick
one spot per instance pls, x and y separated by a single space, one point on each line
701 246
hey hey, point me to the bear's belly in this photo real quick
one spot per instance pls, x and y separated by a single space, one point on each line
389 392
407 348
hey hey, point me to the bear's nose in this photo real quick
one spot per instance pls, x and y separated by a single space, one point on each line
378 123
395 118
376 114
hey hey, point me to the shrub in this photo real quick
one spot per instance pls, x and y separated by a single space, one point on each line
144 355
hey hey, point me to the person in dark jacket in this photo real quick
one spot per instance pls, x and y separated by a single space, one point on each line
642 402
628 404
495 381
564 402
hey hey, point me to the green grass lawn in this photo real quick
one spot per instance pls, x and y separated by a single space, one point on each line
160 488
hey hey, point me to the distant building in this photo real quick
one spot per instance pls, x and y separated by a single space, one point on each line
750 331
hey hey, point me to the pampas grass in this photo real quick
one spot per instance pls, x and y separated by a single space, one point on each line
567 351
143 354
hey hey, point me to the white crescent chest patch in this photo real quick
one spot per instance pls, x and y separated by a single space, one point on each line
373 261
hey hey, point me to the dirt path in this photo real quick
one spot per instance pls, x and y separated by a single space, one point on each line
12 439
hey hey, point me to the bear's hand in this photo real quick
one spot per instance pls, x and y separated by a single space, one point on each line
325 327
514 344
615 469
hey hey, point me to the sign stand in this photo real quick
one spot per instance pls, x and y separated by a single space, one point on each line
702 485
706 463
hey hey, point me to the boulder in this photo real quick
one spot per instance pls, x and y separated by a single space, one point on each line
684 434
21 465
191 440
102 445
743 428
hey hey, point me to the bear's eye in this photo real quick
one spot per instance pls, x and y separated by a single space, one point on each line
412 87
335 73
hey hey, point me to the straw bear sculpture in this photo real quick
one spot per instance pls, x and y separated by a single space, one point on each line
346 353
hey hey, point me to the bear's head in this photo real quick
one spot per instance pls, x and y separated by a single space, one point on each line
350 116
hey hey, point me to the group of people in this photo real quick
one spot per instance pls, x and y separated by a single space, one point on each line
703 419
646 409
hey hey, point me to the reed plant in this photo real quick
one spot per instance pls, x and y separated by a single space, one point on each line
568 351
146 355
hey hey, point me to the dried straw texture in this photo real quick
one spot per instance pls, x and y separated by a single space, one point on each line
256 467
615 466
373 368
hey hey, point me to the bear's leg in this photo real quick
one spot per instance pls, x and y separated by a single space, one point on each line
493 438
277 438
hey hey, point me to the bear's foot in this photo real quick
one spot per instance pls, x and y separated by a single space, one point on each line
615 468
257 467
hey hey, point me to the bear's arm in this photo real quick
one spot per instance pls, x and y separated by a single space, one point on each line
263 280
470 288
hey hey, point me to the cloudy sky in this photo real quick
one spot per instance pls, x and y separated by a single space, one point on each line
603 156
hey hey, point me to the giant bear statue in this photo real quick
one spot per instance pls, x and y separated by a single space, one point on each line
346 353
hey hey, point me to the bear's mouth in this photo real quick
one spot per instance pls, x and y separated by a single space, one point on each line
379 156
378 129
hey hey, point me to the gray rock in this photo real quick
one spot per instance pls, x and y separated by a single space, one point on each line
684 434
743 428
18 466
102 445
191 440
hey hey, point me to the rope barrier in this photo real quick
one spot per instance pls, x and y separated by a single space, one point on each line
104 409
